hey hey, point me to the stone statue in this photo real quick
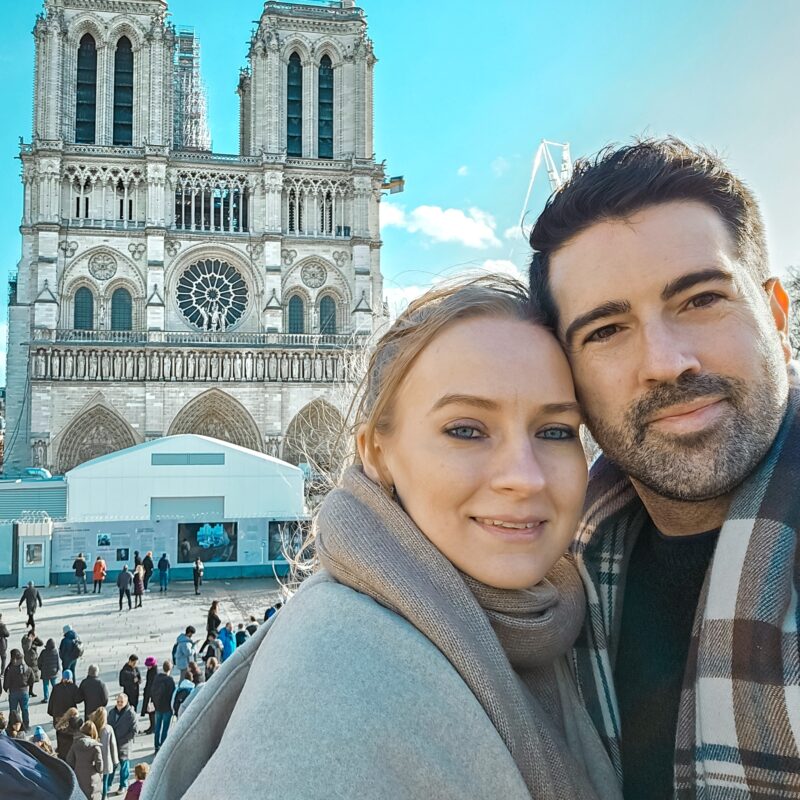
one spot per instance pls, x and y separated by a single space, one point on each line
93 365
129 365
248 366
237 366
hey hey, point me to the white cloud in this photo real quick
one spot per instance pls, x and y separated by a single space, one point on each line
398 297
505 267
500 166
392 215
473 228
462 171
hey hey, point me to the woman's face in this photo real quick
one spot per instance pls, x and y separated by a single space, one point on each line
484 452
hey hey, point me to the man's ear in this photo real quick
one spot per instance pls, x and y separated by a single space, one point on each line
780 306
370 453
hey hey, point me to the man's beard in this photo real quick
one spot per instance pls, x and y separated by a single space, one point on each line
703 465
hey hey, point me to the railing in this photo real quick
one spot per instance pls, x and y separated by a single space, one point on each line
206 156
199 338
109 224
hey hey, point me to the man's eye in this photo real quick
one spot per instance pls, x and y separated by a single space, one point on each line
601 334
703 300
464 432
556 434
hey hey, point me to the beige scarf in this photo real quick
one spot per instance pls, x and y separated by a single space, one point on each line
506 645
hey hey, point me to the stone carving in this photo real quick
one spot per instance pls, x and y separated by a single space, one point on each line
212 295
68 248
39 453
94 433
341 257
172 247
103 266
288 257
255 249
137 250
313 275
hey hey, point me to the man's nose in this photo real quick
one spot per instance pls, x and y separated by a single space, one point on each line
666 353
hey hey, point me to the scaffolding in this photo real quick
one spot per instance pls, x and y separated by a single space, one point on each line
190 126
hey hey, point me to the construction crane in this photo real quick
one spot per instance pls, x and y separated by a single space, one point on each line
556 176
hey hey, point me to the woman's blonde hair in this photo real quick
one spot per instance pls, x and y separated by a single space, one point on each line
90 730
99 717
424 319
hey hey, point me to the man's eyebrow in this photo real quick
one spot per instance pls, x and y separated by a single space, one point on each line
609 309
692 279
465 399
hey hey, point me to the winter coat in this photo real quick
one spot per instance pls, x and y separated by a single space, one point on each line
134 791
30 654
57 781
138 584
94 694
184 651
211 649
149 566
212 623
148 688
79 566
162 691
99 570
64 740
48 661
125 729
185 687
16 676
63 697
163 564
108 749
130 679
86 759
124 580
241 637
31 597
3 639
228 643
70 649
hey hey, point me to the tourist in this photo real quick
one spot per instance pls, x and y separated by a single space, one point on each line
99 574
70 649
213 621
28 771
122 719
272 610
49 666
42 740
67 727
93 691
228 640
79 567
138 586
108 746
162 691
65 695
14 728
3 645
137 559
148 566
16 681
31 598
30 655
241 635
211 666
85 757
124 581
197 575
212 648
182 691
147 696
445 596
130 679
183 651
163 572
651 263
252 626
140 773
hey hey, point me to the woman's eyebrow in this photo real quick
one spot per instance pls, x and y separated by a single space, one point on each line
465 399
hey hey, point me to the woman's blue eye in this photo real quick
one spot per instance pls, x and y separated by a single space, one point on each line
556 434
464 432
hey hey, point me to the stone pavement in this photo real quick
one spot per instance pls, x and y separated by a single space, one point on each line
109 636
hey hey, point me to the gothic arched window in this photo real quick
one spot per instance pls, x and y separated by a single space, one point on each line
327 315
84 310
325 109
294 107
123 93
121 310
297 315
86 91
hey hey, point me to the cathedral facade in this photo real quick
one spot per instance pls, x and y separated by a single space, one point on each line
164 288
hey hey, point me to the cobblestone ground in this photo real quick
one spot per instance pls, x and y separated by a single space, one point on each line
110 636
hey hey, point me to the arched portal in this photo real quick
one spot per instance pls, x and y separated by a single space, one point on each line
91 434
317 437
215 413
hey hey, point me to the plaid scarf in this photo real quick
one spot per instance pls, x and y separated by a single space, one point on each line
738 734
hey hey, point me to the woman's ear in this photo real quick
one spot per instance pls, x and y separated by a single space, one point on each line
370 453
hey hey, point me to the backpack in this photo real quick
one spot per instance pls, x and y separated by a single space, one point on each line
180 696
77 649
174 651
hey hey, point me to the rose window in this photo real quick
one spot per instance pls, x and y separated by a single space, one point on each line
212 295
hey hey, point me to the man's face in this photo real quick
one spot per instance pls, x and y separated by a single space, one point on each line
678 354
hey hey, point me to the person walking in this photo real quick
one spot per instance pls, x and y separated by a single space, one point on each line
99 571
184 651
122 719
67 727
137 559
212 620
228 641
211 649
162 691
86 759
30 655
108 746
3 645
16 680
212 665
65 695
140 772
31 598
49 665
138 586
184 688
70 649
79 567
130 679
147 696
93 691
197 575
163 572
148 566
252 626
124 581
241 635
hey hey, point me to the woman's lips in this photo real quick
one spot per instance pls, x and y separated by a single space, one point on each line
532 530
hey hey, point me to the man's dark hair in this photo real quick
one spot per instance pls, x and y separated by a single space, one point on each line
190 630
619 181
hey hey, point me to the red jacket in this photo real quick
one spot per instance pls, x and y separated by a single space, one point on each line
99 570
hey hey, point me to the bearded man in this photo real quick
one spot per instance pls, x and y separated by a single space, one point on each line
651 266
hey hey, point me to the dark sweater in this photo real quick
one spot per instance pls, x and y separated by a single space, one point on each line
662 587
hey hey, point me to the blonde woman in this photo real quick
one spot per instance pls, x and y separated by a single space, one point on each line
86 760
427 658
108 746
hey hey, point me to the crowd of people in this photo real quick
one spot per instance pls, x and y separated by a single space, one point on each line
93 738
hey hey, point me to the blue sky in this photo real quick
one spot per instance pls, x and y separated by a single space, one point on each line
465 91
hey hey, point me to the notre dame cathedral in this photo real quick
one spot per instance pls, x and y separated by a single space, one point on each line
164 288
